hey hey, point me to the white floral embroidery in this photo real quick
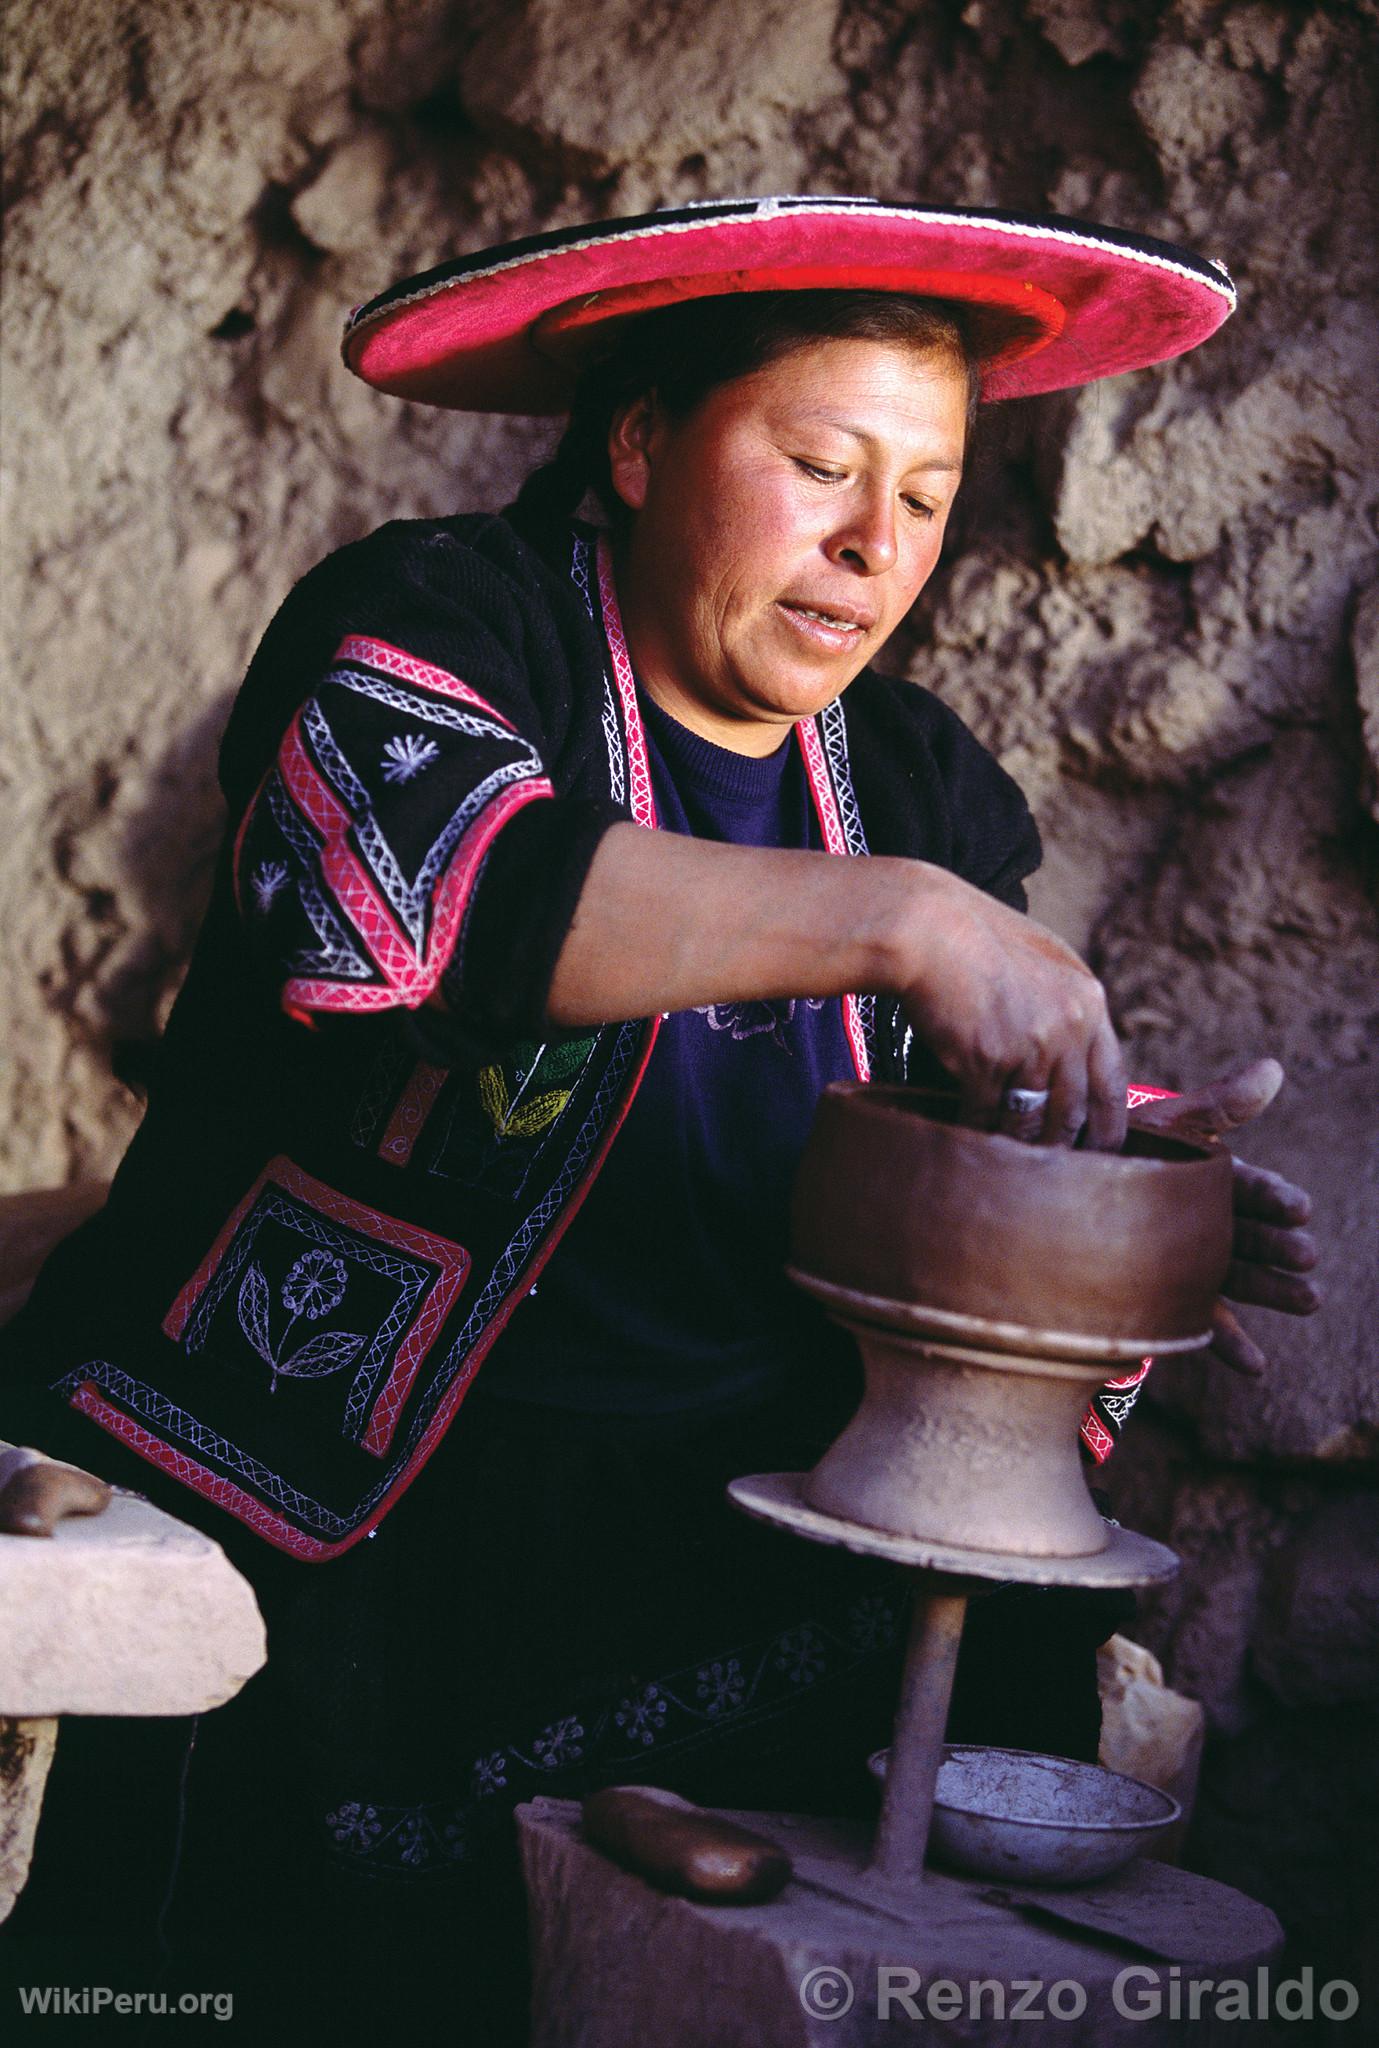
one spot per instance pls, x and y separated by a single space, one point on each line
722 1686
752 1019
406 754
315 1285
411 1838
871 1622
266 880
801 1655
490 1774
642 1717
560 1743
355 1823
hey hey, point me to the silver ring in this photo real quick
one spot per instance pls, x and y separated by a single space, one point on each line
1025 1101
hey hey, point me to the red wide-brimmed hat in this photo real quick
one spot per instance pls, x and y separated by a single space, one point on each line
1063 301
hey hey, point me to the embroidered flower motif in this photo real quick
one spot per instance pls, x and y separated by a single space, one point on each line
490 1774
266 880
315 1285
406 754
524 1100
355 1824
560 1743
455 1840
871 1622
643 1717
758 1019
722 1686
800 1654
411 1837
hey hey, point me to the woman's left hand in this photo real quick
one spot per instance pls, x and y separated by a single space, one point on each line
1273 1253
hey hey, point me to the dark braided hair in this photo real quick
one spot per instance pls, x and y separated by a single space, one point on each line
682 353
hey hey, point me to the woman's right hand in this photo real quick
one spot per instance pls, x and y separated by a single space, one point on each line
1005 1004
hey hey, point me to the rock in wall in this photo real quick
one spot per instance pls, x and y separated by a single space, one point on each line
1161 606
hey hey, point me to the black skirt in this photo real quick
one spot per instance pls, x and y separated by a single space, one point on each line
561 1601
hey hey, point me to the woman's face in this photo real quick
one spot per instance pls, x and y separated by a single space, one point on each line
783 529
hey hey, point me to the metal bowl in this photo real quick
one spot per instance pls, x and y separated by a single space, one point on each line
1010 1813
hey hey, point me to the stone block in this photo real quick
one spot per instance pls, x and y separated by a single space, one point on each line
125 1612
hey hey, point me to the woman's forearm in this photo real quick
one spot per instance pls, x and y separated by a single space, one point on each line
667 922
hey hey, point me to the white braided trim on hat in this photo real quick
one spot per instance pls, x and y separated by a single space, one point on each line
774 209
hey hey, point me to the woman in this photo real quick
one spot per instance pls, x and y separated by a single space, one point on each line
470 1061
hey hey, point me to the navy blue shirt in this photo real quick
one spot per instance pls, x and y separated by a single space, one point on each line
667 1291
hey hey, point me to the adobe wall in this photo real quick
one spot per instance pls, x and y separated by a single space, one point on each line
1161 609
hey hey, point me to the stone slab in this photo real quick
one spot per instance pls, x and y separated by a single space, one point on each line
125 1612
830 1962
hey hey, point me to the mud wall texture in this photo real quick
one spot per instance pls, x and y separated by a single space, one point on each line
1161 606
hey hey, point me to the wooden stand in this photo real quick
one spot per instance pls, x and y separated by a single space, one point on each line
944 1575
841 1960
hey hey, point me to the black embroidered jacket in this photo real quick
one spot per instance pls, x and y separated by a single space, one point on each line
341 1191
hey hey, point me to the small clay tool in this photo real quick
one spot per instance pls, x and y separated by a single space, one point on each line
682 1848
36 1494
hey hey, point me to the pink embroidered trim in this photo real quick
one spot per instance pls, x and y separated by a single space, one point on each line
178 1316
410 981
444 1414
408 1119
261 1519
223 1492
393 661
835 841
232 1498
566 1216
1094 1432
1132 1379
638 766
1097 1437
284 1173
820 787
349 882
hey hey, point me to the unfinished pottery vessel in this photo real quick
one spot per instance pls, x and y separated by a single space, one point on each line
992 1287
904 1217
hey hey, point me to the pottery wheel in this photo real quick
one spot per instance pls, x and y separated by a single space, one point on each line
1127 1560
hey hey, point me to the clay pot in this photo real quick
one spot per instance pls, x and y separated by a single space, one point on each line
992 1287
903 1217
